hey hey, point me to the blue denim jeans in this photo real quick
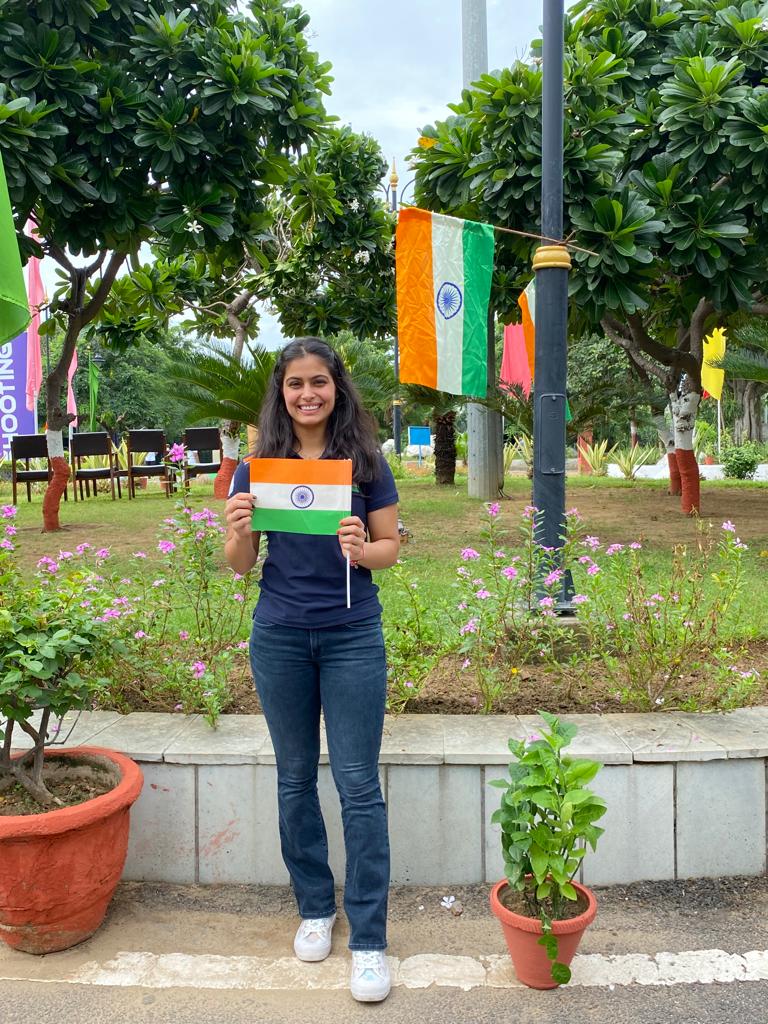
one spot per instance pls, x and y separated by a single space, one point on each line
341 670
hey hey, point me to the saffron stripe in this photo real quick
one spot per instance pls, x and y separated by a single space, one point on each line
320 522
416 298
478 244
301 471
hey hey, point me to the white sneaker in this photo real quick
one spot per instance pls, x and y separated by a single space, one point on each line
370 982
313 939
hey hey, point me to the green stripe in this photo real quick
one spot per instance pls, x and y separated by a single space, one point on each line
478 244
297 520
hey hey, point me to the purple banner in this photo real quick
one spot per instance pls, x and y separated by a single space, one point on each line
15 418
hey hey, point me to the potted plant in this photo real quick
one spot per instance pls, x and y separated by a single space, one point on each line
547 818
63 815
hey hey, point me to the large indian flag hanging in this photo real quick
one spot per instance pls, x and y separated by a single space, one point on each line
301 495
444 267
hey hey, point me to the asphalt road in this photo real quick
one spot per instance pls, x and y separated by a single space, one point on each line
235 922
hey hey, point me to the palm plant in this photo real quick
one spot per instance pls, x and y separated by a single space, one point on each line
442 414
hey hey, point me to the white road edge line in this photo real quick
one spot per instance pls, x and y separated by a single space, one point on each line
209 971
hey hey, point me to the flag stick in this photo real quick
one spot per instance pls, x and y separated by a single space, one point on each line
349 605
719 428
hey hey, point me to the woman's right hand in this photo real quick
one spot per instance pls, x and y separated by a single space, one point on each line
238 511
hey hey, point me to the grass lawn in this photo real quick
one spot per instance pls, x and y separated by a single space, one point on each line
441 522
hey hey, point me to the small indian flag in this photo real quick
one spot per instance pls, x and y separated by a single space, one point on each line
301 495
444 267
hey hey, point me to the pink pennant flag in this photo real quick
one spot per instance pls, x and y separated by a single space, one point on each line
36 296
71 404
514 362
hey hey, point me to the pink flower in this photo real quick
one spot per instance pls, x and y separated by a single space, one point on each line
739 546
478 582
238 576
8 511
579 599
499 554
469 554
64 555
409 684
238 597
509 571
728 526
574 512
635 545
140 634
139 554
469 627
177 453
243 645
11 531
493 509
125 582
554 577
627 617
592 542
183 634
102 553
5 543
613 549
585 560
546 602
532 737
178 707
85 604
198 669
462 606
48 565
200 535
593 570
529 511
466 663
166 546
461 571
82 548
483 594
158 583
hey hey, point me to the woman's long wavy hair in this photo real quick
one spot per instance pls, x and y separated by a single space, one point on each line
351 431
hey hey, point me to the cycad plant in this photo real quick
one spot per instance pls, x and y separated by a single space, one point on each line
216 385
442 415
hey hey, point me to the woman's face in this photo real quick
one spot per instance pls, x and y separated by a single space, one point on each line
309 391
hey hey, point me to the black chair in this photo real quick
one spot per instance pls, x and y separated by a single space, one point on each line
24 448
87 445
142 442
202 439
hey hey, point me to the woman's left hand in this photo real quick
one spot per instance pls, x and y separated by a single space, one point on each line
351 533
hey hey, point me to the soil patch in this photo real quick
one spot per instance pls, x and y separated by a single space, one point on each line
514 901
71 782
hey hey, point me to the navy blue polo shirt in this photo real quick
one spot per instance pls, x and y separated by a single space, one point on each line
304 578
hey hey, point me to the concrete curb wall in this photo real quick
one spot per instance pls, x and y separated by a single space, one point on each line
686 795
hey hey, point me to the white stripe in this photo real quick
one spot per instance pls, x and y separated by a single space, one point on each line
331 497
447 270
209 971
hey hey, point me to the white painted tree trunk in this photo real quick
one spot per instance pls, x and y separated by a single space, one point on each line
666 436
55 442
230 446
684 411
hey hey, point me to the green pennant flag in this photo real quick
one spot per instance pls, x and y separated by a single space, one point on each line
14 308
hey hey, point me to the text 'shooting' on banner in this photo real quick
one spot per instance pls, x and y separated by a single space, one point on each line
15 418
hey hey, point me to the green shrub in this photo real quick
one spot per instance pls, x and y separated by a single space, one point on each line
740 463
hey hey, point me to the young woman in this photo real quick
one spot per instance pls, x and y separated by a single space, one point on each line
309 652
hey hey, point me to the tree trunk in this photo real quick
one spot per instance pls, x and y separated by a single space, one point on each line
667 438
445 448
748 424
230 431
230 441
79 315
684 411
633 438
584 438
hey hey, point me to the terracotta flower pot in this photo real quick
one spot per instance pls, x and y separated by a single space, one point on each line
59 869
530 960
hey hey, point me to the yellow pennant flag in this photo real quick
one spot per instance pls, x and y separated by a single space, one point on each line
711 376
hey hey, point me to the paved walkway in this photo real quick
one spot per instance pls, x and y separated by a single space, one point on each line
694 952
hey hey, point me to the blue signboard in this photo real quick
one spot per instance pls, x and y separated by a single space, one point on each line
420 436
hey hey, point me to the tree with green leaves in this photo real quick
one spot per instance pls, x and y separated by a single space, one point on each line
127 121
665 178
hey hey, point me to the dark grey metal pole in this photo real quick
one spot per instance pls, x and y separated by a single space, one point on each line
551 298
396 401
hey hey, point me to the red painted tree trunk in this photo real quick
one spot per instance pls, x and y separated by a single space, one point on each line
54 493
675 481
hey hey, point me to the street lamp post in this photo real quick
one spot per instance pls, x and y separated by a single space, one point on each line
394 180
551 263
